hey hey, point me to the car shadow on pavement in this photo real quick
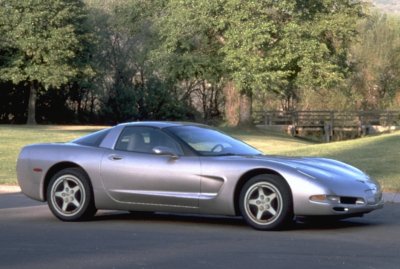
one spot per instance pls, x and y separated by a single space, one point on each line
158 217
299 224
330 223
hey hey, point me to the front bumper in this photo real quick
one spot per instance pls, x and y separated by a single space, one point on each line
342 209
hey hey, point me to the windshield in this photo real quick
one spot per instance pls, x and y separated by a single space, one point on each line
210 142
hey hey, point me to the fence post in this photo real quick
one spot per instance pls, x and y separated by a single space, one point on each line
360 123
294 117
332 122
327 131
267 118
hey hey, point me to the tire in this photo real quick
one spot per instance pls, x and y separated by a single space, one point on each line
70 196
266 203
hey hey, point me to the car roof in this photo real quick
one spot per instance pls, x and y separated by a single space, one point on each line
161 124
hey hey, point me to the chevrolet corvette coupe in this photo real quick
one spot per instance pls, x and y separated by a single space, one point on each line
189 168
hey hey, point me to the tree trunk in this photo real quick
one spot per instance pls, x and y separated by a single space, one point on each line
32 104
245 111
231 104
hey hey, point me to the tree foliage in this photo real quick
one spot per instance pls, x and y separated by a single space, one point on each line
132 87
46 42
376 60
111 61
278 46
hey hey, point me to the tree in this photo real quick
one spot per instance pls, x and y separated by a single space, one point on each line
46 39
131 86
188 56
264 45
291 45
326 31
376 60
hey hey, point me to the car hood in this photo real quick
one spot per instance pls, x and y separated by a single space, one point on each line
319 168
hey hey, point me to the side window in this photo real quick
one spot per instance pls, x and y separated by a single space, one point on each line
92 140
144 139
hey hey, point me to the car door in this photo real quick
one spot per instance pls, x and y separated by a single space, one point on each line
133 173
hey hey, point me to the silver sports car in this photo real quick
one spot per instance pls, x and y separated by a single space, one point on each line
192 168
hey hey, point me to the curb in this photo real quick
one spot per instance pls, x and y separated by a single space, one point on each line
389 197
9 189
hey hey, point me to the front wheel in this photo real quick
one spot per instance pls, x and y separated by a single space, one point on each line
69 195
266 202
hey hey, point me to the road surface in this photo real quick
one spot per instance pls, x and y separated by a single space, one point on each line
30 237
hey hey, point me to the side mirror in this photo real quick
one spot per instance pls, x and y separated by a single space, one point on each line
165 151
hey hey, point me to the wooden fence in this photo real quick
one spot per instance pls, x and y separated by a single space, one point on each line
328 121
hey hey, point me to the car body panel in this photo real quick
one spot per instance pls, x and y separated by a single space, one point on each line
151 179
188 183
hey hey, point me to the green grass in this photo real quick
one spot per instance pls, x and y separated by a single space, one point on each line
267 141
379 155
14 137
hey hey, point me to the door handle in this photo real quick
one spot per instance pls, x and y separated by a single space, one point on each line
115 157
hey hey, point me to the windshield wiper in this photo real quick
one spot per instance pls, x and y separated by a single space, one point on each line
226 154
235 154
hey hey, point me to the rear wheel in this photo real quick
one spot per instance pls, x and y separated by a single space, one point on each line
69 195
266 202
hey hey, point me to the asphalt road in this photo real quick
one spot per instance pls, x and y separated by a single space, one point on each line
30 237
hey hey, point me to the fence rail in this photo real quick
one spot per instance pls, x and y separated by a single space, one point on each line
328 121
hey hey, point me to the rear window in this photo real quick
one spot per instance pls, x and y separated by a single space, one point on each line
93 139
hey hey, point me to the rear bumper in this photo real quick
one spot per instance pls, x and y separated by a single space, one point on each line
29 181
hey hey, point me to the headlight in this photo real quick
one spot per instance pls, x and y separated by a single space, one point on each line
322 198
333 199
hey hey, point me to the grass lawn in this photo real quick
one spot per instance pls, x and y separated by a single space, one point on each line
14 137
377 155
